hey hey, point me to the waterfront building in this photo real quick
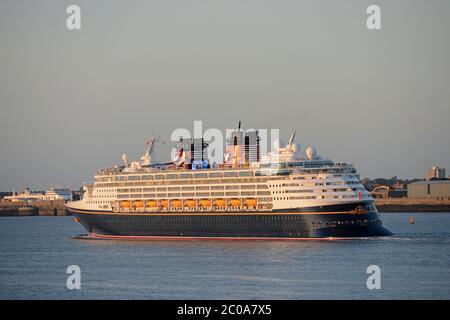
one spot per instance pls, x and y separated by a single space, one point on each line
50 195
429 189
435 173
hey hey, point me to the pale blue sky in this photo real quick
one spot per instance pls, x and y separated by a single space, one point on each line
73 101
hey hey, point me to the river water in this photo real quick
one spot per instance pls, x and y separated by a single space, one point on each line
36 251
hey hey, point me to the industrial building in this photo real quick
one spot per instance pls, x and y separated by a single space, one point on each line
439 189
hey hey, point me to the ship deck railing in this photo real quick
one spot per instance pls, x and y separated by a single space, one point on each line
301 166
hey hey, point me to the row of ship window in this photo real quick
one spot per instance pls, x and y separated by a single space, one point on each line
216 217
191 188
317 197
176 176
351 176
345 222
198 175
183 182
311 184
200 194
102 196
191 194
318 190
203 194
97 202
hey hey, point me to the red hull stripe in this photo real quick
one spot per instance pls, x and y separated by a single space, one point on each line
182 238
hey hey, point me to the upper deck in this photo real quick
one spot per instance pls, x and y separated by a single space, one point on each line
227 172
242 161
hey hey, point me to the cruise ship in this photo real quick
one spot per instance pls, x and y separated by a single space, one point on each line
282 195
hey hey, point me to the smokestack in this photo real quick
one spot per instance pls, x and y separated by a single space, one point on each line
247 148
257 147
203 144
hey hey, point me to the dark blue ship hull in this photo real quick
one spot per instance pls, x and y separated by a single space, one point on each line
343 221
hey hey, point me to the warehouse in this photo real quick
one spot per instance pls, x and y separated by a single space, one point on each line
429 189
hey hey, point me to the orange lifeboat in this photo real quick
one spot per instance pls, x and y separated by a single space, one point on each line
190 203
220 203
235 202
205 203
176 203
164 203
151 203
139 204
251 202
125 204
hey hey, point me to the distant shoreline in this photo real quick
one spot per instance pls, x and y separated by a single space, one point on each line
57 208
385 210
36 215
412 205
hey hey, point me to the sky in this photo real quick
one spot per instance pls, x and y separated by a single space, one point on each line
72 101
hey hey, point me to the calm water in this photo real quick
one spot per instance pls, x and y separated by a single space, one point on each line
35 252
